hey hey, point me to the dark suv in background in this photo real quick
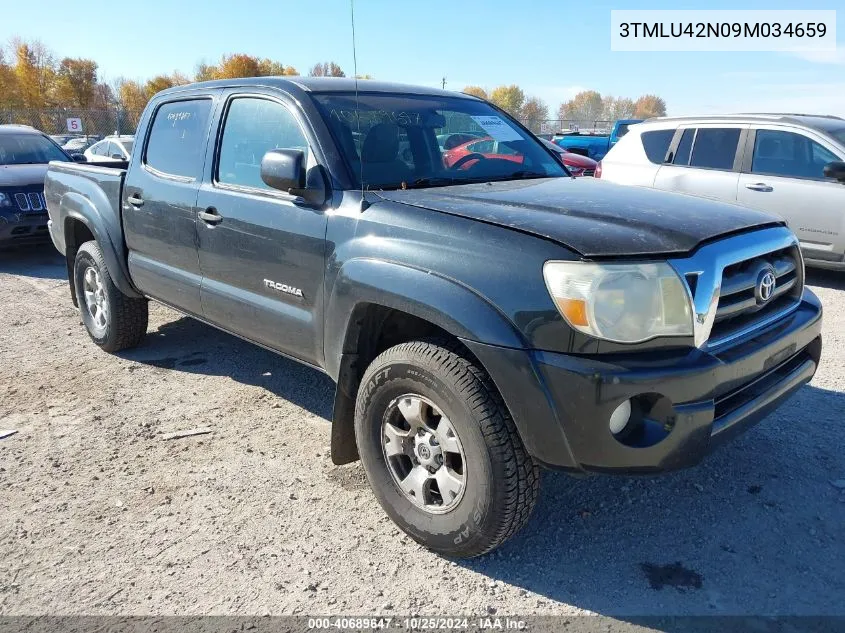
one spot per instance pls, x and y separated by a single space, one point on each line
24 154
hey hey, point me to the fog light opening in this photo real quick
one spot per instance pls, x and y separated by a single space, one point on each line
642 421
620 417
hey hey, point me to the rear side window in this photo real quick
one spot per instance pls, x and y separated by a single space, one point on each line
253 128
176 144
715 148
656 144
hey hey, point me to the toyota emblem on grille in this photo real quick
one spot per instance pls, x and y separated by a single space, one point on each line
766 285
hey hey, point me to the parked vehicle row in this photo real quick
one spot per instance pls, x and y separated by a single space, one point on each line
594 146
112 148
481 317
789 165
24 154
486 147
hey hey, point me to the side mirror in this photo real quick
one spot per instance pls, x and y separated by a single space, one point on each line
79 158
835 170
284 169
117 156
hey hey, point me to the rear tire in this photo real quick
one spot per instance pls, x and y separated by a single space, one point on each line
114 321
441 451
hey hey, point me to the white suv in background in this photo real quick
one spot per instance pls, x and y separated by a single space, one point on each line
112 148
790 165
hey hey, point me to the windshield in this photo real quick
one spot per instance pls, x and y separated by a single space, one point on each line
407 141
127 145
28 149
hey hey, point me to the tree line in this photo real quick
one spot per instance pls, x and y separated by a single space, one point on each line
33 79
587 106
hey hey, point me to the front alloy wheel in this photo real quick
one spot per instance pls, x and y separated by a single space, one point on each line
440 450
423 453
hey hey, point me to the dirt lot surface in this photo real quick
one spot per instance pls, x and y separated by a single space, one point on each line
100 515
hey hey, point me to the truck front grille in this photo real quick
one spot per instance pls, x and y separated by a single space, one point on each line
756 292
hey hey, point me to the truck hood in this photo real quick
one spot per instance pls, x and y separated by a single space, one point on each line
22 175
592 217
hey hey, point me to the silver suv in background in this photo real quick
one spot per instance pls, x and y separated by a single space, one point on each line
791 165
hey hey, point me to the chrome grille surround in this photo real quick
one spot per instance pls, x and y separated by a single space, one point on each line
705 271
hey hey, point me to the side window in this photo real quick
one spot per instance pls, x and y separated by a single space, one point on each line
656 144
254 127
781 153
715 148
684 147
176 145
100 149
113 150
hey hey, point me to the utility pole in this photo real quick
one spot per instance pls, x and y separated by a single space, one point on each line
443 83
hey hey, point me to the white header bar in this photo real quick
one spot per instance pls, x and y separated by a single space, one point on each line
723 30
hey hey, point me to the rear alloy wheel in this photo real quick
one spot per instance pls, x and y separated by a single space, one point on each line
114 320
440 449
95 301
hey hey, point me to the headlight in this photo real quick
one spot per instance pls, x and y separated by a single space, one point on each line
624 303
5 200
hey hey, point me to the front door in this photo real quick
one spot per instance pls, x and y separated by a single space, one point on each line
159 198
262 256
786 178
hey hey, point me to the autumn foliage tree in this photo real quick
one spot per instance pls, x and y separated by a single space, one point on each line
649 106
326 69
532 111
589 106
475 91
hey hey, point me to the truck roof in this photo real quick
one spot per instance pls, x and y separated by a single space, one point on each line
320 84
19 129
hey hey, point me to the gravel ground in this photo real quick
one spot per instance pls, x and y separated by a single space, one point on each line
102 516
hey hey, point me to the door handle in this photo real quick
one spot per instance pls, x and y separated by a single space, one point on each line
135 200
210 216
759 186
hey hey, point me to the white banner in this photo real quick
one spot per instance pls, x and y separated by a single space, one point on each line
723 30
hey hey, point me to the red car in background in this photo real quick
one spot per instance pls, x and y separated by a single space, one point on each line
490 148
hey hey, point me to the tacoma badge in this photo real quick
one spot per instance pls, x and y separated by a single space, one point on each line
296 292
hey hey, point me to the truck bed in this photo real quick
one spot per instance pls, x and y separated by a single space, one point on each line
78 189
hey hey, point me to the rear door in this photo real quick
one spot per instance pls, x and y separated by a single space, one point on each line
782 174
704 161
159 201
262 256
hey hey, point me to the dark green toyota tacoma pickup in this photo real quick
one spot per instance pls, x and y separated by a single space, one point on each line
480 320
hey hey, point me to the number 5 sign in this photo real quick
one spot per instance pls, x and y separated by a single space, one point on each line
74 125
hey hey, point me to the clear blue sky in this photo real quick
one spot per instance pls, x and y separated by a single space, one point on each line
551 48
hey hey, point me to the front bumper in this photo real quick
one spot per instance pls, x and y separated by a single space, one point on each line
689 400
19 228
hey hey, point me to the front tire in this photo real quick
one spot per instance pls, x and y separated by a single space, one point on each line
114 321
441 451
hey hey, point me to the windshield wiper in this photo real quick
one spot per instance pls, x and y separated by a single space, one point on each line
519 175
432 181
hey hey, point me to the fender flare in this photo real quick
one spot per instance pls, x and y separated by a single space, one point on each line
109 238
444 302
